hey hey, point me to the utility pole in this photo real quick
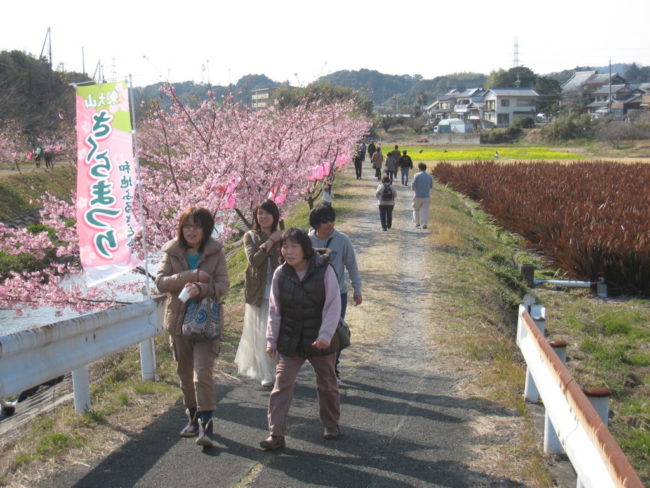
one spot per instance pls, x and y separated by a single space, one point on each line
609 104
48 41
83 61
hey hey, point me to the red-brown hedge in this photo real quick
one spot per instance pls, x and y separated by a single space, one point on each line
591 217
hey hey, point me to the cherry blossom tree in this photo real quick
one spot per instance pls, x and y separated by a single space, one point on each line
220 155
12 145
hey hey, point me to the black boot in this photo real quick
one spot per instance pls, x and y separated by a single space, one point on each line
192 427
206 436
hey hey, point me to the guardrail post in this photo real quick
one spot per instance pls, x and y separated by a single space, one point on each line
81 387
599 399
552 444
148 360
538 314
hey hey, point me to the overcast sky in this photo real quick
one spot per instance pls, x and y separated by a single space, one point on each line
300 40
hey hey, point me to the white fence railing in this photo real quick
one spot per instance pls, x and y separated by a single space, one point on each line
573 421
33 356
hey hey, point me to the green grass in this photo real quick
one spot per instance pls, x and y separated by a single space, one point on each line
17 191
482 153
52 444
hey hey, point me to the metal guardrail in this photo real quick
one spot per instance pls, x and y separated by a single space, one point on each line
33 356
597 459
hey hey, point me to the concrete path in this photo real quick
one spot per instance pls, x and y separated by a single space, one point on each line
401 425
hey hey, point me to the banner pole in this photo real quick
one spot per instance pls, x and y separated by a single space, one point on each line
140 199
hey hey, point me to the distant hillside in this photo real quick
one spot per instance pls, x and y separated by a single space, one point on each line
191 92
375 85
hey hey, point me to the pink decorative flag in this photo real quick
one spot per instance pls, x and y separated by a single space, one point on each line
106 181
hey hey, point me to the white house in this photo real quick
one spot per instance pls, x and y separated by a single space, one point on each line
505 105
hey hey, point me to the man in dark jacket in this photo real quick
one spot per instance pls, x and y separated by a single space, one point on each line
405 165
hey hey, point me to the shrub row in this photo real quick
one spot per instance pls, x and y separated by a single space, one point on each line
590 218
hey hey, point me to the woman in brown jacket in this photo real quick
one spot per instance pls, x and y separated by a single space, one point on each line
262 246
196 261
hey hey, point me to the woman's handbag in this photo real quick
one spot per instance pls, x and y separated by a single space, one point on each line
203 320
343 331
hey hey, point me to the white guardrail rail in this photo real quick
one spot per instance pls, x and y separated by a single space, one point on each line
597 459
33 356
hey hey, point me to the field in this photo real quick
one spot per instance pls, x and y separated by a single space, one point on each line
590 218
482 153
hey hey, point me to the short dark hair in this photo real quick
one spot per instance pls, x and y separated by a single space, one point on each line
422 167
201 217
321 213
301 238
270 206
385 179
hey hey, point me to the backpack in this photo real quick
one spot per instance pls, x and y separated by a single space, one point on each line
387 193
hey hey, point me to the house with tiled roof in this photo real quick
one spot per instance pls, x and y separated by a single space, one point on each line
590 80
616 100
503 106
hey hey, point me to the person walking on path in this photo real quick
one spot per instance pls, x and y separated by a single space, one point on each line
371 149
342 258
358 161
377 161
405 165
262 246
196 261
385 196
392 162
304 311
422 184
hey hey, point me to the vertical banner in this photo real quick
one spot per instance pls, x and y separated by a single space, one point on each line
106 181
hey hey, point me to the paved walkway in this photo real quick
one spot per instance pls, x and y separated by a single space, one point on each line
401 425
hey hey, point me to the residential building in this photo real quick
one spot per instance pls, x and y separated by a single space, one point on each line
503 106
624 97
261 98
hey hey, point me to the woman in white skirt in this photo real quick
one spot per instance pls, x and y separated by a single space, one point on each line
262 246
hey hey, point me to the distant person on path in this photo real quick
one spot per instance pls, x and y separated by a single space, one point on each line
371 149
37 156
196 261
422 184
48 156
377 161
358 162
385 195
405 165
362 150
262 247
342 258
392 162
327 194
304 311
